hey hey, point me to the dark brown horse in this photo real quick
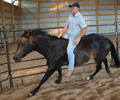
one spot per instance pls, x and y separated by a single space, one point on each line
54 49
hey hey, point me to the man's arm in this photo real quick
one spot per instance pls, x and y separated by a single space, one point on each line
63 31
82 33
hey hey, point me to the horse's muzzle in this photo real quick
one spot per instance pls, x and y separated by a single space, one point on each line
17 59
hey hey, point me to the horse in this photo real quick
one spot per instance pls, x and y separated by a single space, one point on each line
54 49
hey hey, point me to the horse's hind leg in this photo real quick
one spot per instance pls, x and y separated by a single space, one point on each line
106 66
98 68
60 75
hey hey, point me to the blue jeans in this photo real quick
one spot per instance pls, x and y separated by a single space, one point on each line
70 52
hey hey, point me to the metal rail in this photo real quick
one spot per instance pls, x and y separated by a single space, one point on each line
54 28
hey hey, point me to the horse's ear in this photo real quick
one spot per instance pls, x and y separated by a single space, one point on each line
28 33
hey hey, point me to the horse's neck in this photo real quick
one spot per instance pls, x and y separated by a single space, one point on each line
45 44
41 45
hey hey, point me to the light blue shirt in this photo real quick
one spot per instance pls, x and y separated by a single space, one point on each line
75 24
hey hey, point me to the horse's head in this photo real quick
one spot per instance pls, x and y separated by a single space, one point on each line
25 46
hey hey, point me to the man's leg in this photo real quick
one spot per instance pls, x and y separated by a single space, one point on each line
70 53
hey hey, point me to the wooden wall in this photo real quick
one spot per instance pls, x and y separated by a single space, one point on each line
54 13
31 14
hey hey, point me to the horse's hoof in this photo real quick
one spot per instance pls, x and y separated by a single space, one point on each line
57 81
110 73
30 94
88 78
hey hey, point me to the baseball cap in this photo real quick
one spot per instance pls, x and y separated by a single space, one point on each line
75 4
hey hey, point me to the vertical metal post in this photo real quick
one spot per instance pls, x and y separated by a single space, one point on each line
20 16
22 80
97 17
1 86
58 15
38 13
8 59
116 34
13 19
1 39
116 24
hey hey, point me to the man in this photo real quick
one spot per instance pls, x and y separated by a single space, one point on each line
76 28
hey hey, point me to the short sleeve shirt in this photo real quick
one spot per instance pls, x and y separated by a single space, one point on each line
75 24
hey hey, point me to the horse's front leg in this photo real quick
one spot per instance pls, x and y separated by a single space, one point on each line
60 75
48 73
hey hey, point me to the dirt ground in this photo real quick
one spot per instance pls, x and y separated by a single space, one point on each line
76 87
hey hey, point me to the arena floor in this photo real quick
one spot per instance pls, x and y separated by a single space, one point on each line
76 87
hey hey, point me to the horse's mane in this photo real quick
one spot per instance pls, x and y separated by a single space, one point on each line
37 32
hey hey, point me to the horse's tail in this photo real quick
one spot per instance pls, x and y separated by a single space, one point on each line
114 54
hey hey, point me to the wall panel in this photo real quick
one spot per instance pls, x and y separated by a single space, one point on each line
54 13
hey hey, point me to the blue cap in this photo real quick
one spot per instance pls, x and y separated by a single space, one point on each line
75 4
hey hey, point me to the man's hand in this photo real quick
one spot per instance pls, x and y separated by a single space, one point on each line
82 33
63 31
76 41
59 35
